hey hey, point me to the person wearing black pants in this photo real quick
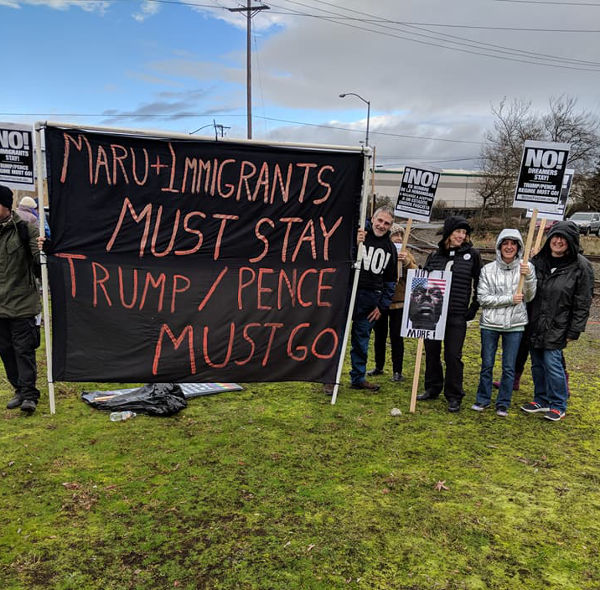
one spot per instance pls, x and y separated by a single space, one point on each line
455 253
393 316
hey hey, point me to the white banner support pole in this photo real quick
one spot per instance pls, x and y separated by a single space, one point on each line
359 256
44 264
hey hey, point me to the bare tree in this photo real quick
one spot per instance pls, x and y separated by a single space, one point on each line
515 122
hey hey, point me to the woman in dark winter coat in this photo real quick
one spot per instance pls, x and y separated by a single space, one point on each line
559 312
455 253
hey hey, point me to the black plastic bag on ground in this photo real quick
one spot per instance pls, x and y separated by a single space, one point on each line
154 399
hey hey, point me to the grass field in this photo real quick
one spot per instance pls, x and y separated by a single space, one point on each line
273 487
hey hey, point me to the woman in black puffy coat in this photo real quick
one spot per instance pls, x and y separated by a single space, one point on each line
455 253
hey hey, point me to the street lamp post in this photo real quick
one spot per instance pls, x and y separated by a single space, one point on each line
368 103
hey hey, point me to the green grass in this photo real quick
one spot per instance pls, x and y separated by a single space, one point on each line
273 487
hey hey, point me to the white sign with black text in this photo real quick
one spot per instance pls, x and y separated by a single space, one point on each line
542 170
417 192
16 156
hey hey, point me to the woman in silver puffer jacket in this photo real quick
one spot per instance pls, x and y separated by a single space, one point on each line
504 314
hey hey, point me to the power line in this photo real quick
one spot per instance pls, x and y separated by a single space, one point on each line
548 2
196 115
444 25
513 54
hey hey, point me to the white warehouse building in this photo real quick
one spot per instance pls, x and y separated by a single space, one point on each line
457 188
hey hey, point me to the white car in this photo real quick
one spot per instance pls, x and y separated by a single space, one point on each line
588 222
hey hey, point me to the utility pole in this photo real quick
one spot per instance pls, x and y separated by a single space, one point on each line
250 12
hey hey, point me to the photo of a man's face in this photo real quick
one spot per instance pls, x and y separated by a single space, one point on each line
426 301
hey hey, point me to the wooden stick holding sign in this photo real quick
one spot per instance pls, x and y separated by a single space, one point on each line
527 248
540 234
415 385
406 234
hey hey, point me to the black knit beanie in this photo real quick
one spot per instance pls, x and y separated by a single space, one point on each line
6 196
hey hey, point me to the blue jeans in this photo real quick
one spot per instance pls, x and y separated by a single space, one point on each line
549 379
366 302
489 346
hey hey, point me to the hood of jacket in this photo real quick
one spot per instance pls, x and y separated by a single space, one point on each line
570 231
509 234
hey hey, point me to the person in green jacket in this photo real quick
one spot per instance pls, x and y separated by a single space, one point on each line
19 304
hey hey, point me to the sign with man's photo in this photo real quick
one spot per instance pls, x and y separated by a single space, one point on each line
426 304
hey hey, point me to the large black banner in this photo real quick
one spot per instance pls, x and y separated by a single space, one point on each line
177 260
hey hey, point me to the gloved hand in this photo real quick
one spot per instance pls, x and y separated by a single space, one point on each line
472 311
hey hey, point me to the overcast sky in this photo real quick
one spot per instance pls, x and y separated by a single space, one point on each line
430 68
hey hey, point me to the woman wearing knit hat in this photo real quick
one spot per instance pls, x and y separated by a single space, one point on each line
455 253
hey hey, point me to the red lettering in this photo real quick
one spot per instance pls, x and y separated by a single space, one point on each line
160 282
212 289
262 238
70 258
146 212
187 331
135 289
243 284
261 289
289 221
322 333
176 289
244 177
191 230
118 160
224 218
321 287
327 235
308 235
274 328
303 349
325 184
247 338
300 281
155 233
102 162
100 283
229 347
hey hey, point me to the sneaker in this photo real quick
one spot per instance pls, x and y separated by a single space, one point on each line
478 407
397 377
374 372
502 412
533 408
554 415
28 406
13 403
365 385
454 405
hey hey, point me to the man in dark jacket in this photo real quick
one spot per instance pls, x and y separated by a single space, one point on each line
19 304
558 315
455 253
376 286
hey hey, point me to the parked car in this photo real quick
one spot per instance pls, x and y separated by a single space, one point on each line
588 222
